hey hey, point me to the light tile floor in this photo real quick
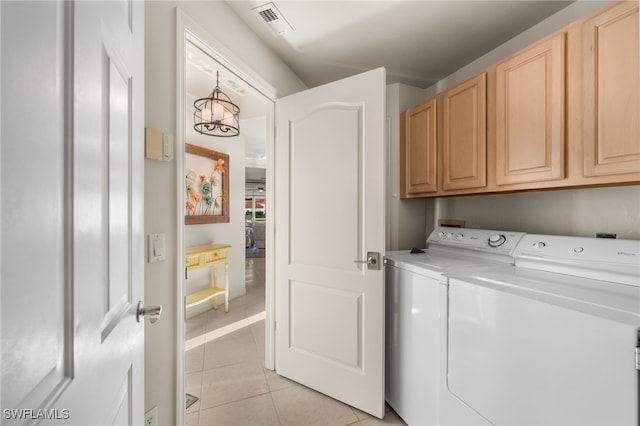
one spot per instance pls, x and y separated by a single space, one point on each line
227 373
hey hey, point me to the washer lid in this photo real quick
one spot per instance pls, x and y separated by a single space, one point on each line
432 263
614 301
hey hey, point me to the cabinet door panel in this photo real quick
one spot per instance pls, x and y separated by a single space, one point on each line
530 114
465 135
611 92
420 150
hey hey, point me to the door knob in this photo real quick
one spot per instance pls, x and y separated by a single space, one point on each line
153 312
373 260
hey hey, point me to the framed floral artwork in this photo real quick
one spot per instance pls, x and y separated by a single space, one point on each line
206 184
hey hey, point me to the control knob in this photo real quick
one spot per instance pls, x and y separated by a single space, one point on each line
496 240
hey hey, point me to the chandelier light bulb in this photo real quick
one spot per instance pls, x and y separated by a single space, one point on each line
206 115
227 118
218 112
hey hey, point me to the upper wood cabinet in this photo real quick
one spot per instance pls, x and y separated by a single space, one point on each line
611 91
530 114
563 112
418 150
464 135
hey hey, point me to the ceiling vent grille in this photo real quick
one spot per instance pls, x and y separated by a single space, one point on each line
272 17
269 15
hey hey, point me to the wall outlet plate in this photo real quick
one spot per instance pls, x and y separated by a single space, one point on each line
454 223
151 417
605 235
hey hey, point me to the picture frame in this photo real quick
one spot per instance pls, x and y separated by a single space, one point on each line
206 186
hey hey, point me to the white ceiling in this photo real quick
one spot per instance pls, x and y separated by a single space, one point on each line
418 42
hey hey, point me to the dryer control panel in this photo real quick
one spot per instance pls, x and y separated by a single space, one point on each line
484 240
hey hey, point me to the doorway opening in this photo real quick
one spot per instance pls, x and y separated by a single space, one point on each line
274 396
214 342
255 204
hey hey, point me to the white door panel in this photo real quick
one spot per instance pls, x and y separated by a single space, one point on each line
329 183
327 133
35 282
72 274
342 341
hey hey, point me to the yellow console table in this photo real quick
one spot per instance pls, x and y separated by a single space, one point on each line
209 256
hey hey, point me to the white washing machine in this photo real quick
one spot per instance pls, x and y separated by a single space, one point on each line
416 299
553 340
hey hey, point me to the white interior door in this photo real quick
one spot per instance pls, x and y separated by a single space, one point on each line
329 182
72 212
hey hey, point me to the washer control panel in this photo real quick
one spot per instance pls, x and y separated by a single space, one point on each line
503 242
597 258
581 248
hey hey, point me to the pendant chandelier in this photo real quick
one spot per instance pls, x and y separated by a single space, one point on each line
216 115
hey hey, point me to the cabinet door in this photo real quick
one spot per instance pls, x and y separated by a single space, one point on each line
611 92
464 135
530 114
420 149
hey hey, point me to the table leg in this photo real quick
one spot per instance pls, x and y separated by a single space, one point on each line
226 286
215 285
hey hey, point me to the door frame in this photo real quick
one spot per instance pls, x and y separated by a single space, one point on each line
188 29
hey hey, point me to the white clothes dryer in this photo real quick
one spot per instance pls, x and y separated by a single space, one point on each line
416 299
553 340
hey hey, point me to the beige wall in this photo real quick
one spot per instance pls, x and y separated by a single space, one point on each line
161 278
579 212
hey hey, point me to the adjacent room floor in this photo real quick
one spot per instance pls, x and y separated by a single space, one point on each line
225 371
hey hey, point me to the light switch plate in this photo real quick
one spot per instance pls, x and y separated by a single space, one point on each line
156 248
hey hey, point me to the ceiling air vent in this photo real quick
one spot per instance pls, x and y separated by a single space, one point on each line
272 17
269 15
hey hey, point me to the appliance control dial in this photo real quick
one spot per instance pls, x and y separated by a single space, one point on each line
578 249
539 245
496 240
459 236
